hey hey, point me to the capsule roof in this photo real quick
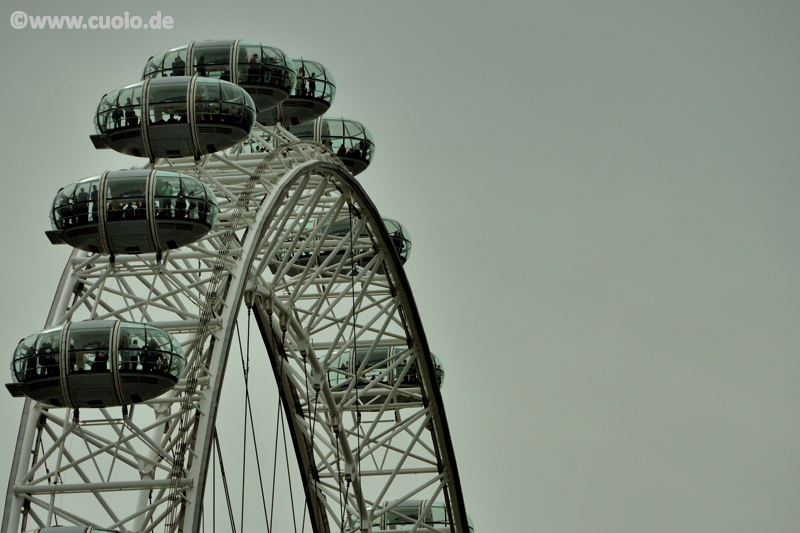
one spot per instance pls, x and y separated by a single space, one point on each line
155 118
265 72
132 212
84 364
350 140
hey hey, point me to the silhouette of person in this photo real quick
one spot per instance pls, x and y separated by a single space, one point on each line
100 363
312 85
93 198
252 70
116 115
178 66
130 115
82 209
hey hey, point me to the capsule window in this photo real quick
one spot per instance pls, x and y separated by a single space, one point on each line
89 350
83 201
191 194
160 352
126 198
63 207
231 94
278 69
154 66
25 359
167 188
132 340
250 64
160 114
207 91
212 61
353 129
165 64
375 365
410 377
336 374
272 56
192 189
174 63
410 515
75 204
169 93
211 213
437 516
167 103
207 98
209 193
108 116
129 105
313 81
47 348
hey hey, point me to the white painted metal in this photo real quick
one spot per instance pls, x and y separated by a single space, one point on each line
315 296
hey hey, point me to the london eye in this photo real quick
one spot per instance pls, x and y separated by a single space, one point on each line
247 202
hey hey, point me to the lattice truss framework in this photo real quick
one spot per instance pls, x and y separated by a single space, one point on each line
364 436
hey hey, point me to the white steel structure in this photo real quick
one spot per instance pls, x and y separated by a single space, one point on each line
367 439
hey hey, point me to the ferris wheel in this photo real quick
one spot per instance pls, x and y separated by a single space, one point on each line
248 202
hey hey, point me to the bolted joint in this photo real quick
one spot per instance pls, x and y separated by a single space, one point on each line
249 300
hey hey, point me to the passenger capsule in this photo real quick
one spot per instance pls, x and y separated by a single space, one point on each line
96 363
363 248
312 96
400 238
132 212
398 235
265 72
351 141
404 515
171 117
380 366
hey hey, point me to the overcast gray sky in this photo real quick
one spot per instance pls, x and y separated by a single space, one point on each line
602 198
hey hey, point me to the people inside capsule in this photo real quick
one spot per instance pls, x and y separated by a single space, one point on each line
351 141
398 235
313 80
89 358
124 203
154 118
363 249
388 365
265 72
400 238
313 94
